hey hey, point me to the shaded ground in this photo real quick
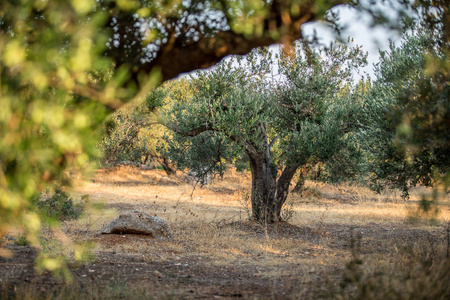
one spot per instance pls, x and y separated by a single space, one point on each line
214 253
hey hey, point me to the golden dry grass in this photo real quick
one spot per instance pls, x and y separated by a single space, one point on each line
204 218
212 237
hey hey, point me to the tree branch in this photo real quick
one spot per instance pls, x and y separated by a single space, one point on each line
90 93
280 26
192 132
249 147
272 143
198 130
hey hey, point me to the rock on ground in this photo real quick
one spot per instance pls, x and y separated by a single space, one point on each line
137 222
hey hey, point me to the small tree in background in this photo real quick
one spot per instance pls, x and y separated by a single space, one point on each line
280 125
122 139
133 134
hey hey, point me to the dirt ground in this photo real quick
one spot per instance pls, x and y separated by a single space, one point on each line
215 251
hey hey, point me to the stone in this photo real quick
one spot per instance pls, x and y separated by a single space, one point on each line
194 177
158 274
137 222
144 167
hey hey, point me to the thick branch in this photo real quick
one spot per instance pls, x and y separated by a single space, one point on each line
176 57
248 147
192 132
91 93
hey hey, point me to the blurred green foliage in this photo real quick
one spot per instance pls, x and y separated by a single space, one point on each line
50 56
56 88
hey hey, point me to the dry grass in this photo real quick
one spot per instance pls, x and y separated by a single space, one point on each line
217 252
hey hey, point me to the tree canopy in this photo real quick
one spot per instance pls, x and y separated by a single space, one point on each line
279 124
409 135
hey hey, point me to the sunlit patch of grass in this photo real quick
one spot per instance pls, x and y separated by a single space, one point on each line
210 226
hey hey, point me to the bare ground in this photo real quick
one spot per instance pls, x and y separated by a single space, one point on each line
215 252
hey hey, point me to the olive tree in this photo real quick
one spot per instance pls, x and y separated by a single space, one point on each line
409 134
133 135
279 124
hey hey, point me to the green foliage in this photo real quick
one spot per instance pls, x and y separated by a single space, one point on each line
203 154
123 139
58 205
134 134
242 164
50 60
306 109
21 240
409 133
347 165
350 163
318 105
207 150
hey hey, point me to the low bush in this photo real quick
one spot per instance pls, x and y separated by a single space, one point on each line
57 204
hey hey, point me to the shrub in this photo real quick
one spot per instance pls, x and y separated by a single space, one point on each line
59 205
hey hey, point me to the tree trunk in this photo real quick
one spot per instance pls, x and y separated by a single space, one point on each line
167 165
283 186
268 195
302 178
263 188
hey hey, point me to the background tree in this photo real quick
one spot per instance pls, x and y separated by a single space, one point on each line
279 125
409 135
132 134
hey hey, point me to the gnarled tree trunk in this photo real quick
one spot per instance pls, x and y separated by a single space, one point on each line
263 188
268 195
283 186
